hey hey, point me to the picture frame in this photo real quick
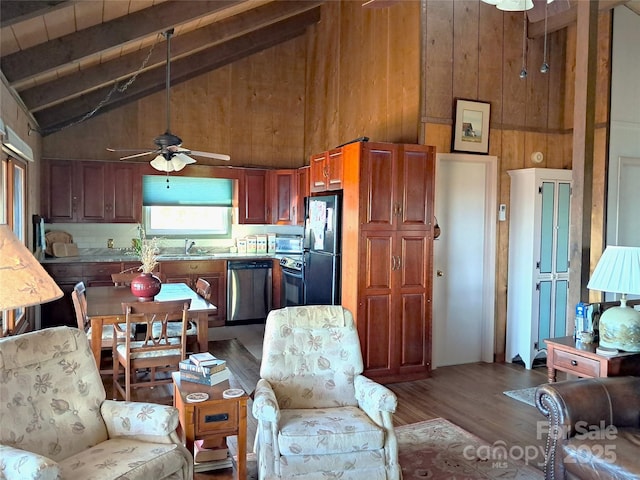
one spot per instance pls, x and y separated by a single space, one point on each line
471 126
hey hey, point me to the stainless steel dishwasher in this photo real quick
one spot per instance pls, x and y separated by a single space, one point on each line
249 290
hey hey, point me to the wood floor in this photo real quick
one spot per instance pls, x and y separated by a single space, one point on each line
468 395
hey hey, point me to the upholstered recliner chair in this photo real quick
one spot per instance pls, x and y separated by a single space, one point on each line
56 424
318 417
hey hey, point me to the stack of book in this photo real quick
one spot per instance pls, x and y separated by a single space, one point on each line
210 457
203 368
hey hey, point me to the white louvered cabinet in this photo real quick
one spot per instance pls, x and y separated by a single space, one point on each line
538 270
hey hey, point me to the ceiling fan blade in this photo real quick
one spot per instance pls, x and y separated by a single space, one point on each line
136 155
217 156
142 149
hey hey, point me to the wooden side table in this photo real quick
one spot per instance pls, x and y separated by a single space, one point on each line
213 419
581 359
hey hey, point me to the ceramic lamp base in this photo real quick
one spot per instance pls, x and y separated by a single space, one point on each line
145 287
620 328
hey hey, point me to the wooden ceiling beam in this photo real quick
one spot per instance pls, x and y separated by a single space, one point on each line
566 18
79 83
16 11
183 69
74 47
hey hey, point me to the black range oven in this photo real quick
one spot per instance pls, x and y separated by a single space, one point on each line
292 291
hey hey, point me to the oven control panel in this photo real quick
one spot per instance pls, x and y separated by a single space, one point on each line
291 263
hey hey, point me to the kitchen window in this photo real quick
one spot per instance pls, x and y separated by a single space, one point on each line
187 206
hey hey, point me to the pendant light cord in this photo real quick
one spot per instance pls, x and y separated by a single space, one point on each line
544 68
523 71
167 35
116 88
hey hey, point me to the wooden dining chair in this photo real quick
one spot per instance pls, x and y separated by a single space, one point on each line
79 298
203 288
158 353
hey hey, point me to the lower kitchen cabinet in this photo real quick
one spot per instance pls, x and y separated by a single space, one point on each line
66 275
60 312
99 274
213 271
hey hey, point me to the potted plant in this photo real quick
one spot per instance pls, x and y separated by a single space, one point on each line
146 285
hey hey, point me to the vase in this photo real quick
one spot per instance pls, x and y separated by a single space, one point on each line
146 286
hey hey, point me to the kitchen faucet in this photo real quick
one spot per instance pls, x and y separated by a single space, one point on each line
188 244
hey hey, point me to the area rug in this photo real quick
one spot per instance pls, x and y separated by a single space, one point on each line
440 450
525 395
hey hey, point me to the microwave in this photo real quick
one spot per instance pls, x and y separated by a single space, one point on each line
289 244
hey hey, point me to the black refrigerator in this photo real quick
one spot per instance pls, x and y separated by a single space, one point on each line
322 244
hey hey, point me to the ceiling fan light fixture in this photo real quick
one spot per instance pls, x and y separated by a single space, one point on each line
174 164
181 159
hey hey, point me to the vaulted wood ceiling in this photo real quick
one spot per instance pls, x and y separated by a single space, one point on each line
63 58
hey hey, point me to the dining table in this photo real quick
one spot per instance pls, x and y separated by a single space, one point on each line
104 307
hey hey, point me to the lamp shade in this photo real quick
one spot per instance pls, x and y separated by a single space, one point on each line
618 271
514 5
23 281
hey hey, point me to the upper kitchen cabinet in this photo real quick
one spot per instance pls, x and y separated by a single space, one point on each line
269 197
254 197
326 171
283 197
92 192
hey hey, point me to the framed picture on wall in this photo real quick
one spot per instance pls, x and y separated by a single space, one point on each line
471 129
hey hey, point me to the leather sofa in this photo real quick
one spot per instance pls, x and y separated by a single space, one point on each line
594 428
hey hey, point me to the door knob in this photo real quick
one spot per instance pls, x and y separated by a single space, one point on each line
439 273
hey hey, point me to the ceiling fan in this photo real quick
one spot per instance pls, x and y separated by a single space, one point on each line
170 154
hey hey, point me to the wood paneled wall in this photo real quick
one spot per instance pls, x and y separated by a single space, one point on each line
363 76
252 110
534 114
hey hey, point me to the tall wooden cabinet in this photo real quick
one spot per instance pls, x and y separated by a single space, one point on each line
538 272
387 255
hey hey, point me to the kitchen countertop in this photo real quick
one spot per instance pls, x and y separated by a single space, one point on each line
118 256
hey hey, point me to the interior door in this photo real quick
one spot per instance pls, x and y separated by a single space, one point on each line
464 259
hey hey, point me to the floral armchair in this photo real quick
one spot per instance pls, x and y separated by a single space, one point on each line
318 417
57 424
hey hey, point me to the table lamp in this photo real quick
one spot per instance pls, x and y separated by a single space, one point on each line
23 281
618 271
